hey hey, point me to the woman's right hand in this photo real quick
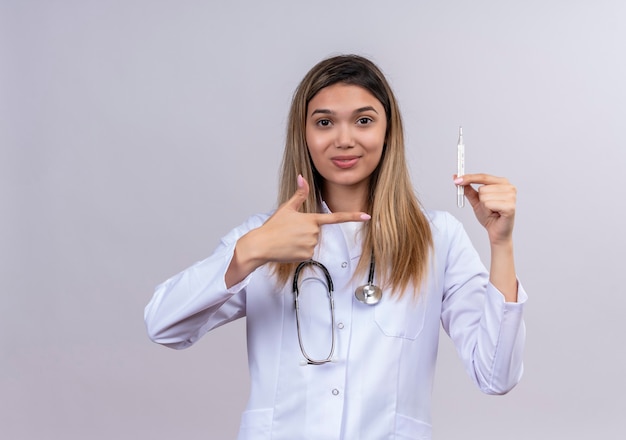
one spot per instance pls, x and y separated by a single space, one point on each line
287 236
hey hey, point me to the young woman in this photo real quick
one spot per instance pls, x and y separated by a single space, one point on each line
344 285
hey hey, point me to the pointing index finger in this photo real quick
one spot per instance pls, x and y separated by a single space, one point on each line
341 217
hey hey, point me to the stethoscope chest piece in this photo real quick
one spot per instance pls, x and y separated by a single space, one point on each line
368 294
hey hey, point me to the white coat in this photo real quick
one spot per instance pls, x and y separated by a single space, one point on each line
379 384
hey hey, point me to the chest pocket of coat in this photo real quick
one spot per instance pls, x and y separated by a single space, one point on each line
400 318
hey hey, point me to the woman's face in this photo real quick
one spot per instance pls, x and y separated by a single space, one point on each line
345 134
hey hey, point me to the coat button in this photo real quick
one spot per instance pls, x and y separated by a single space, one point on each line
340 326
344 264
335 392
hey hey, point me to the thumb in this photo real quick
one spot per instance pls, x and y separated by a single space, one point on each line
472 195
300 196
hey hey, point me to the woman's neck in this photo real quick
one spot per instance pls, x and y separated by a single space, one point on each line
341 198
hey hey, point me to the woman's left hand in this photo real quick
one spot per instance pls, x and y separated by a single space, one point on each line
493 203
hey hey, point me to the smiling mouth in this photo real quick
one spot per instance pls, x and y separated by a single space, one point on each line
345 162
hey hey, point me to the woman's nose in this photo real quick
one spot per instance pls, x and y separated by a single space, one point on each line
345 138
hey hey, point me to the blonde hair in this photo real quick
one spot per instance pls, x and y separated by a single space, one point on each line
398 235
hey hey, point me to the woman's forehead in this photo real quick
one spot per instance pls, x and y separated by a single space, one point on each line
343 97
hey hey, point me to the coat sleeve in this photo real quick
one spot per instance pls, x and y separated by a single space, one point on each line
488 333
196 300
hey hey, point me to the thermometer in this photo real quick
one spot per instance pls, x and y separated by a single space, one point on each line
460 169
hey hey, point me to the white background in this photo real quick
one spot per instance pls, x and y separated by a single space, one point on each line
135 133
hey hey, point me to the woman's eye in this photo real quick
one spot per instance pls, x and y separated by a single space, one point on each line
323 122
364 121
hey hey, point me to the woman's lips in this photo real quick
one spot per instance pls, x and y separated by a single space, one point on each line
345 161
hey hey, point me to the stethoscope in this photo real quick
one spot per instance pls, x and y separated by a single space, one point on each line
369 294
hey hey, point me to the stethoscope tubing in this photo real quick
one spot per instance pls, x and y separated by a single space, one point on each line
296 292
367 294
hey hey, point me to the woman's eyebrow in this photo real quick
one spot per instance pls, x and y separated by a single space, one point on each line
325 111
365 109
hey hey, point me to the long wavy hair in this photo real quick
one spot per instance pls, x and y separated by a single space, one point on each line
398 234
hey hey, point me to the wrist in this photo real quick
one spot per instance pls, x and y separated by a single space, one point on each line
501 245
502 273
246 259
249 251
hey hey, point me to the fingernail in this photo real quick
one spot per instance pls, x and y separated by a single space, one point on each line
365 216
300 181
458 180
